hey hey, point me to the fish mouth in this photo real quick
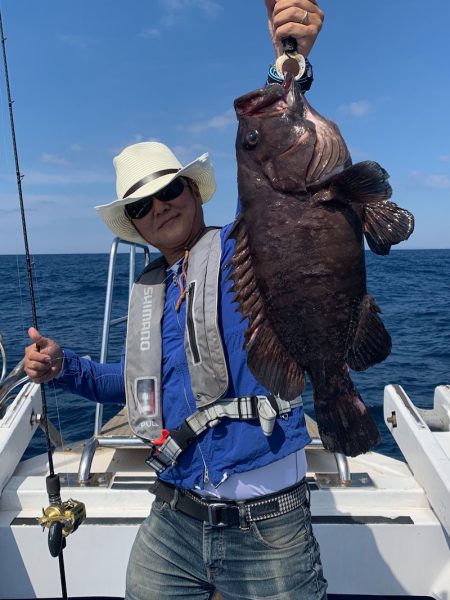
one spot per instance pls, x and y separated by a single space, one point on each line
270 100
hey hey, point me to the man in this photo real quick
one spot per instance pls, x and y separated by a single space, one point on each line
232 506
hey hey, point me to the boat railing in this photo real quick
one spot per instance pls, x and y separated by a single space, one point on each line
98 439
9 384
107 321
3 356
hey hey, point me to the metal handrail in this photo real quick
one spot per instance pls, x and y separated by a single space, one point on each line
84 469
11 381
342 465
3 355
107 322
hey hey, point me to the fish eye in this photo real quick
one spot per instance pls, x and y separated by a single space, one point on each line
251 139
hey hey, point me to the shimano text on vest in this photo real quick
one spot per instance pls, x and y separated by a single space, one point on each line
146 318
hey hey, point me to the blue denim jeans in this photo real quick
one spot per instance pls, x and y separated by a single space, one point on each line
176 556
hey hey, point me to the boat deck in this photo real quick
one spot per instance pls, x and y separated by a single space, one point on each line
390 540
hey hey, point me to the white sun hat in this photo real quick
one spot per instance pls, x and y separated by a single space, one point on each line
142 170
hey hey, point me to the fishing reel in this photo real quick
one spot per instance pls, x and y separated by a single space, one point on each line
60 518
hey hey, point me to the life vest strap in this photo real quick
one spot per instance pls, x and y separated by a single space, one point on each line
264 408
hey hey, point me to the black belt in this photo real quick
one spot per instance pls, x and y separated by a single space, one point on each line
227 512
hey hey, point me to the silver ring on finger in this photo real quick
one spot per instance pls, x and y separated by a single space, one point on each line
304 20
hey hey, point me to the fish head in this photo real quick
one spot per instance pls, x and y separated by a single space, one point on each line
274 139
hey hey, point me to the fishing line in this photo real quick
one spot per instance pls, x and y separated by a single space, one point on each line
55 398
24 232
37 285
3 117
24 337
53 483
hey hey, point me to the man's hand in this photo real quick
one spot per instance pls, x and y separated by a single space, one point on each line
300 19
46 363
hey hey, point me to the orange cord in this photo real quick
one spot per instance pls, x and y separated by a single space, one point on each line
183 280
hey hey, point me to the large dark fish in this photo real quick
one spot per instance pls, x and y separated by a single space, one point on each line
298 267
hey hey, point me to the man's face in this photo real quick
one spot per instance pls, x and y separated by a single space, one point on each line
171 225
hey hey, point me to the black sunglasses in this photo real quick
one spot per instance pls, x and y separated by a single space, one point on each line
138 210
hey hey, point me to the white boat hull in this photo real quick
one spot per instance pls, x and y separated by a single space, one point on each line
379 536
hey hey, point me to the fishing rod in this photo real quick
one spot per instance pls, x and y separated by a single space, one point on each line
60 518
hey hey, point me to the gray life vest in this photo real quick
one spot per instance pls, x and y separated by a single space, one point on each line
204 353
202 340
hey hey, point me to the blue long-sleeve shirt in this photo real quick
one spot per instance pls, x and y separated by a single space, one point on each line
232 446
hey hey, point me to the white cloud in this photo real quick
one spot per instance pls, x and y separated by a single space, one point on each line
135 139
359 108
187 154
11 211
437 181
445 158
76 147
218 122
74 177
33 202
149 33
173 12
76 41
433 180
209 7
53 160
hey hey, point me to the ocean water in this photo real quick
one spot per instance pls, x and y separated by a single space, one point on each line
412 288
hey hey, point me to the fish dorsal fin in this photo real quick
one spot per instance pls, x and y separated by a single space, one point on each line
371 342
267 359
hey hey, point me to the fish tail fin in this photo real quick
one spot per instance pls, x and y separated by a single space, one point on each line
344 422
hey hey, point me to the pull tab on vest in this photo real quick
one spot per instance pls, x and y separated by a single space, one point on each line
202 340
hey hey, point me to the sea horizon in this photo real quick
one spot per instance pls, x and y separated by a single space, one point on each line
154 251
409 286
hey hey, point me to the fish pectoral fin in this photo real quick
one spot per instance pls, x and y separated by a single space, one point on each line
328 196
371 342
386 224
272 366
364 182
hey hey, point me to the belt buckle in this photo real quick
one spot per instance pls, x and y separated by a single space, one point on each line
212 514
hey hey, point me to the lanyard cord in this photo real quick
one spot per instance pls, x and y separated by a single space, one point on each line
53 497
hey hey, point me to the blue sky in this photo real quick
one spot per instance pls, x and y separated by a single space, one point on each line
90 77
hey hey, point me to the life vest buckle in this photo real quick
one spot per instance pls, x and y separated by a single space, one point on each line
160 441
